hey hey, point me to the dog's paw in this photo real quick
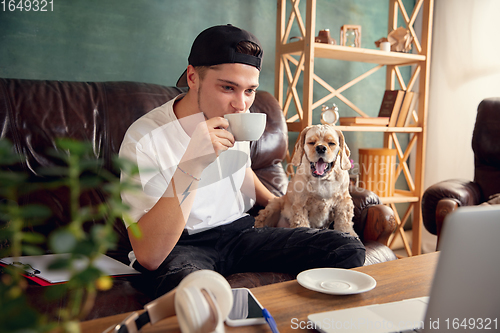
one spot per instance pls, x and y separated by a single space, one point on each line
258 224
260 219
299 223
353 233
348 230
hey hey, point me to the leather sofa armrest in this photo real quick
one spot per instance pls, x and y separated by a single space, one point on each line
456 192
372 220
443 208
380 224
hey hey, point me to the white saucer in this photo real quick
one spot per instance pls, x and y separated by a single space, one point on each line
336 281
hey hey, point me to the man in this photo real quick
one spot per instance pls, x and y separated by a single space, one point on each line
197 182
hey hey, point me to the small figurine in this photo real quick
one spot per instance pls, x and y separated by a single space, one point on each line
324 37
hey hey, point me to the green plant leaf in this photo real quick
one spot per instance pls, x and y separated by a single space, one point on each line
86 276
86 213
136 231
77 168
32 250
34 211
127 166
91 164
102 235
15 313
62 241
85 248
76 147
11 178
22 320
88 182
56 291
54 171
60 263
7 154
33 237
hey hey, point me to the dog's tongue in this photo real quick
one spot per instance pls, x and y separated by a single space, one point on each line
320 167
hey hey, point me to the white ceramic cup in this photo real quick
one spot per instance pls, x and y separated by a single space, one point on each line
385 46
246 126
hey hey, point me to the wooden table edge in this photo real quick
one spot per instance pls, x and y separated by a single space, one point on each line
417 270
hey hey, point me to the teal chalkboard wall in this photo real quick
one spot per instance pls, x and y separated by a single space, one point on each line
149 40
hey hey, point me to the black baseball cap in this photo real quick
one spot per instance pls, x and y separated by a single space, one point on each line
217 45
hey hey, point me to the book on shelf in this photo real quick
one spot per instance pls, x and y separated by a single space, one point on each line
406 109
364 121
412 111
391 105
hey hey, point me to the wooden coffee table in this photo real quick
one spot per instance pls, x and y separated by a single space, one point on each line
290 303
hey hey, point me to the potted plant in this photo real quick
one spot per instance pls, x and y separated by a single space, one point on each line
78 171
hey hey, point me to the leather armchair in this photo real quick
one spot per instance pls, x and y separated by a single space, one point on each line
34 113
444 197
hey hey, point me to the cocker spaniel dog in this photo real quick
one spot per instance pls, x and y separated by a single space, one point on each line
319 191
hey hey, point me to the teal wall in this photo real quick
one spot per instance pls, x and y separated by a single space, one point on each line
149 40
136 40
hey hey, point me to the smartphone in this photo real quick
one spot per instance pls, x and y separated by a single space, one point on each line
246 309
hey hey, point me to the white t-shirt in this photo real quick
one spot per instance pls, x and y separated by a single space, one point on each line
157 142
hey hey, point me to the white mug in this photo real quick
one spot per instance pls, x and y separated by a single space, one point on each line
246 126
385 46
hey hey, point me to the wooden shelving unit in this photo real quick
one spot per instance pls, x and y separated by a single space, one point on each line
300 55
347 53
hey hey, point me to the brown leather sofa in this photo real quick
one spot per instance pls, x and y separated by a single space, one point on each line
34 113
444 197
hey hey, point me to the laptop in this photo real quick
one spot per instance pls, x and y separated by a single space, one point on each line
465 293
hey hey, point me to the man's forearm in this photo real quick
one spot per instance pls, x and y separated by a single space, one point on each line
163 224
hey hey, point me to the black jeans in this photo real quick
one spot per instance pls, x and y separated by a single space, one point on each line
239 247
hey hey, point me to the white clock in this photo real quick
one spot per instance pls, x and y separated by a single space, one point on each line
329 115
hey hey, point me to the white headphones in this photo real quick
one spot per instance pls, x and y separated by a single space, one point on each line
202 302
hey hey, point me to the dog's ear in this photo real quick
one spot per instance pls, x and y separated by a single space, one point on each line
345 163
299 147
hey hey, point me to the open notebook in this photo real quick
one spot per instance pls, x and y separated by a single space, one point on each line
36 267
465 294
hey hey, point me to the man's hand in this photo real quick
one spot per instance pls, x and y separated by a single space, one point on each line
208 141
221 139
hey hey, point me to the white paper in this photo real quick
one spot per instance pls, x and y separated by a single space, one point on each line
106 264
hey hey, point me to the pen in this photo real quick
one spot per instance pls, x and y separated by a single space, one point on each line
270 321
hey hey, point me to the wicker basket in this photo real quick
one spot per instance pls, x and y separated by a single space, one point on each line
377 168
